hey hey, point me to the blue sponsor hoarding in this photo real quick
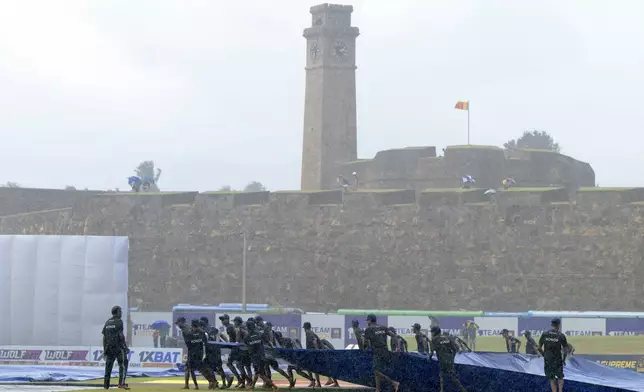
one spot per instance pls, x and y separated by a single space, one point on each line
190 315
349 338
288 324
628 362
625 327
536 325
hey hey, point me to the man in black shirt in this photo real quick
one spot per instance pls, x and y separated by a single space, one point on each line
285 342
244 357
270 360
271 334
376 337
187 372
553 345
235 354
326 345
115 348
267 337
397 342
422 342
446 349
254 343
213 352
460 343
312 343
293 343
196 338
531 346
511 343
358 333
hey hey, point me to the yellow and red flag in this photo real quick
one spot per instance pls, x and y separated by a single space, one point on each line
462 105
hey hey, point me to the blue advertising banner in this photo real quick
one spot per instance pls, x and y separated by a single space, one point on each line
452 324
625 327
349 338
629 362
288 324
536 325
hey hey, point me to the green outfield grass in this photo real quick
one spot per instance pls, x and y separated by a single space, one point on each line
149 384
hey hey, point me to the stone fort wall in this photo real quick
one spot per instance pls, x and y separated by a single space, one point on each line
400 249
420 168
20 200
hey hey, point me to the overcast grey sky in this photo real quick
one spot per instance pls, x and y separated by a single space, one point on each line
212 90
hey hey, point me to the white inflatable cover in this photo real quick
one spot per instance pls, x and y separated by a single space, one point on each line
59 290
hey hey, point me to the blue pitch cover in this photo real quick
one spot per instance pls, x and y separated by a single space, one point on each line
477 371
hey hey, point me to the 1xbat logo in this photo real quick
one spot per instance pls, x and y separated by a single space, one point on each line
159 356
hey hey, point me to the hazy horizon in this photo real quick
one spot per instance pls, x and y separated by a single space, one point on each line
213 91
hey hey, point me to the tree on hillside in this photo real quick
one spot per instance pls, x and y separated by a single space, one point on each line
225 188
70 188
540 140
10 184
254 186
146 170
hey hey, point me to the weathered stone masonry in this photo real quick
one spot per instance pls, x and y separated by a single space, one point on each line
380 249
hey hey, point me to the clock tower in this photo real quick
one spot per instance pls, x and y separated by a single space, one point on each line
330 130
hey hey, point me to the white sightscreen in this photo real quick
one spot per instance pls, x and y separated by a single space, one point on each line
59 290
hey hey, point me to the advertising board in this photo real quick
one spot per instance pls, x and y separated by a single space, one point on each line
86 356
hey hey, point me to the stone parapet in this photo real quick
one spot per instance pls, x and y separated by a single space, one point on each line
531 249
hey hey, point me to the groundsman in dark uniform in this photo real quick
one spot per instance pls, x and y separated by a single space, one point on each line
213 352
446 349
326 345
115 348
553 345
312 343
376 337
358 333
511 343
187 371
234 357
531 346
254 342
422 342
195 340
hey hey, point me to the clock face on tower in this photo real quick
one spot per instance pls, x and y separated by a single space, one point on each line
314 51
341 50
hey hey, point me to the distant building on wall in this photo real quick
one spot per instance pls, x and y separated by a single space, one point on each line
419 168
330 131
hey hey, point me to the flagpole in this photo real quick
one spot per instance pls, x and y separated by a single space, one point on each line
468 123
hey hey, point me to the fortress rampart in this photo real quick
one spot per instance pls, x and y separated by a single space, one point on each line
438 249
420 168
